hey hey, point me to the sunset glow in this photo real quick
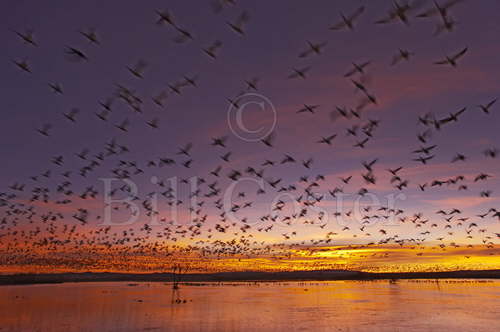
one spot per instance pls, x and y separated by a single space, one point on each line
230 165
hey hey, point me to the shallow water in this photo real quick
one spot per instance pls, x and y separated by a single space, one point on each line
326 306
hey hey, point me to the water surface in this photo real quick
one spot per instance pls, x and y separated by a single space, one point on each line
418 305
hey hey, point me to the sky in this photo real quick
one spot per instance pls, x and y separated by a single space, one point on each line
275 34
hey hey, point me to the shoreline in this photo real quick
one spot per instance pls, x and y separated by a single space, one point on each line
56 278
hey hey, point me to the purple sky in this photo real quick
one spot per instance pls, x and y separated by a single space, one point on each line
275 34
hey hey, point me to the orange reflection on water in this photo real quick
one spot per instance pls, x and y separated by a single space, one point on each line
416 305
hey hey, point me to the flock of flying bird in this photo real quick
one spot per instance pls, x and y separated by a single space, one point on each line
46 214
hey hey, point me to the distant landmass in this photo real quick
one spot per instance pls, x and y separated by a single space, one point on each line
326 275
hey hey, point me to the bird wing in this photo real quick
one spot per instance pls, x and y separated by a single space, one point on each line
338 26
442 62
356 13
460 54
